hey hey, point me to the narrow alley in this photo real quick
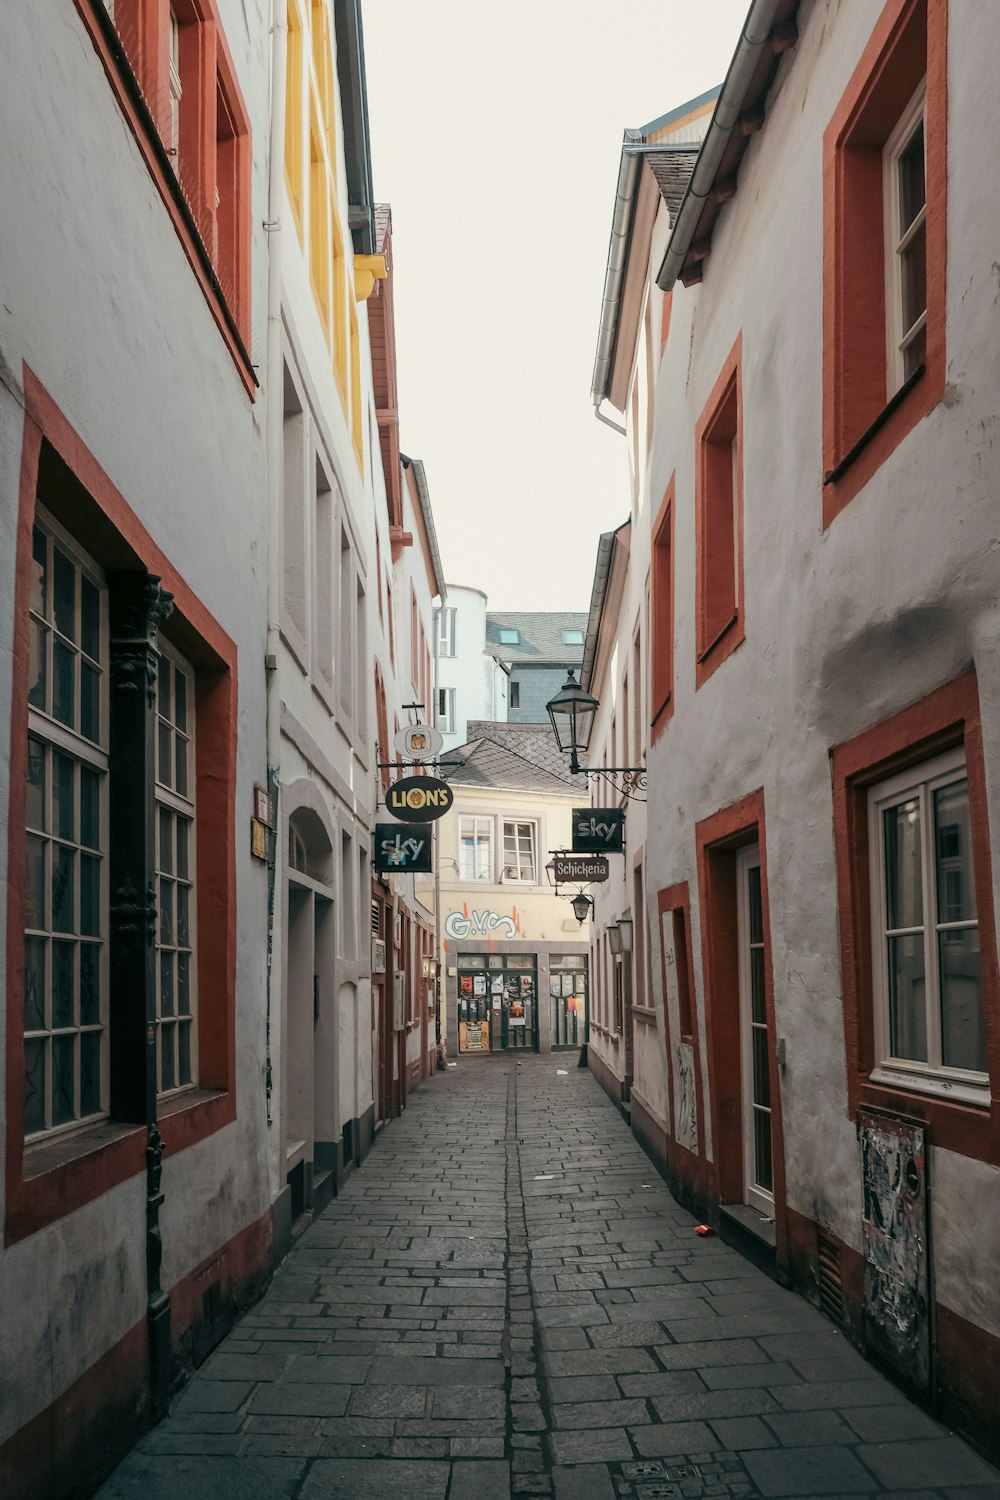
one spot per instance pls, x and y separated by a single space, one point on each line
506 1300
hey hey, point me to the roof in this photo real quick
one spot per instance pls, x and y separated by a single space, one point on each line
514 757
768 33
383 216
540 635
672 170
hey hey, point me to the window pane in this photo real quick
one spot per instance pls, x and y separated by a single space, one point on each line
183 986
181 778
34 1087
904 902
34 984
39 572
914 269
167 1057
63 1079
956 879
62 890
762 1150
90 1073
165 850
90 619
963 1031
63 960
761 1074
183 938
758 1002
755 910
63 698
915 353
184 1052
90 984
907 1013
182 848
90 703
64 593
90 808
166 984
38 636
180 699
35 794
163 748
163 687
166 911
34 883
911 179
90 895
62 792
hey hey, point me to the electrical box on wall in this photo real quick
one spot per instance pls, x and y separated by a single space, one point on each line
378 955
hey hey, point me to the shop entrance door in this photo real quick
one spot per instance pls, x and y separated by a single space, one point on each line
568 999
497 1002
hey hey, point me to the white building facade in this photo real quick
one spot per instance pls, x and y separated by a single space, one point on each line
824 765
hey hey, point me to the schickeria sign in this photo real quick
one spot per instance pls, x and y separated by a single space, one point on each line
402 848
419 799
587 868
598 830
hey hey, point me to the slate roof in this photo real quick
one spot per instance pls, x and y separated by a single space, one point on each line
516 757
672 170
540 635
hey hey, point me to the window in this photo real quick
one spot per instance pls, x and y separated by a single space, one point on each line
906 245
475 849
917 936
176 1039
109 854
662 625
508 636
885 217
572 637
446 632
719 522
66 921
515 694
446 710
927 966
519 852
189 104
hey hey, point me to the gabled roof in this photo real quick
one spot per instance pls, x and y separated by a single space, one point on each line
511 757
540 636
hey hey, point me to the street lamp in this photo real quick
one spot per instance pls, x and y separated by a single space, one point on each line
614 939
572 714
625 933
582 905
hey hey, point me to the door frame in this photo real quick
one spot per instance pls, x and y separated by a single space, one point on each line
754 1196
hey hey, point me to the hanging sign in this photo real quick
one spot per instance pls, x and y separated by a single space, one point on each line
598 830
419 799
402 848
418 741
585 868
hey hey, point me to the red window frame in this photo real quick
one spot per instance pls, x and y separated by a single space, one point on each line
946 718
861 424
214 151
662 634
719 521
55 1180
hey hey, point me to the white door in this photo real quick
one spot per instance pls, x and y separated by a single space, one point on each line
758 1174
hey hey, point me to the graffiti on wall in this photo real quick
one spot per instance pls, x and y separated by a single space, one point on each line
894 1240
685 1104
480 922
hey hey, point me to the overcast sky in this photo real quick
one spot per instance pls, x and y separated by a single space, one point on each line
496 137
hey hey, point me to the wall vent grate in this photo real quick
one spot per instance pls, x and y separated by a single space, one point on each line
829 1279
376 919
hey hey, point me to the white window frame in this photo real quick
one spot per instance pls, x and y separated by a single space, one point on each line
516 878
480 825
177 805
446 631
69 741
176 89
445 721
931 1077
898 338
755 1195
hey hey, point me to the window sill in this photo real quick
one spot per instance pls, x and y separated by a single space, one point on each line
934 1086
840 469
644 1013
42 1157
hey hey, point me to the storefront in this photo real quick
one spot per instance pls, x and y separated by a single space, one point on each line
517 1001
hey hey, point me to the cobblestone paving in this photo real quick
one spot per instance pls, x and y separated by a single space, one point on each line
505 1300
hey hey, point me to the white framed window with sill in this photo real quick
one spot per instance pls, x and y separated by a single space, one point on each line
446 632
475 848
520 846
66 882
176 987
906 243
445 715
929 1021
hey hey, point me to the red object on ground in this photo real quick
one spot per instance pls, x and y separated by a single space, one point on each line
703 1229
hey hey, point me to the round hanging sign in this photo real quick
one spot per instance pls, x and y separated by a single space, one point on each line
419 799
418 741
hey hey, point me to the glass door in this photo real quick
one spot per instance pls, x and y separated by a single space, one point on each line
568 999
758 1173
519 1010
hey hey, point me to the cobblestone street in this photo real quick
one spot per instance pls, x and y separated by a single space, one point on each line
506 1300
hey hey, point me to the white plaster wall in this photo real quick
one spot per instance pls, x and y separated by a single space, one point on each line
100 301
846 627
479 681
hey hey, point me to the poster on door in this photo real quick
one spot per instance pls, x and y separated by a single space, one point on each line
516 1016
479 984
